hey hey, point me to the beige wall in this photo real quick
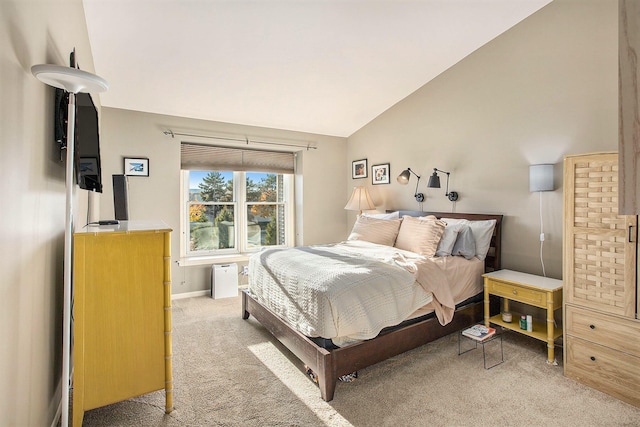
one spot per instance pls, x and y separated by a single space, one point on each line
127 133
544 89
33 205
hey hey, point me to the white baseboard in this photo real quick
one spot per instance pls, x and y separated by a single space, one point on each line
191 294
206 293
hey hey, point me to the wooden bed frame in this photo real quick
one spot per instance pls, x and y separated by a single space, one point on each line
331 364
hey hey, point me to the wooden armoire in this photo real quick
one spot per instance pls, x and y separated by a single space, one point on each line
601 326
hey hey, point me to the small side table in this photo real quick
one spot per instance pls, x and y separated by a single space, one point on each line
496 339
529 289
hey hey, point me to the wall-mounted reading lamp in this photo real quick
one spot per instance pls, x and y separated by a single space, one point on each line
403 179
434 182
541 179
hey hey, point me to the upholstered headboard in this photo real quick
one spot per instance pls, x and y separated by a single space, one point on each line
493 260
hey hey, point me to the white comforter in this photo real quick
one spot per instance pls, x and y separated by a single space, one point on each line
349 291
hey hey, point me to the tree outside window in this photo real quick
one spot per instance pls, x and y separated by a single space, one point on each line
212 209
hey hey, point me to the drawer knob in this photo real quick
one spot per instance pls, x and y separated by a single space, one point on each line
515 292
593 358
592 326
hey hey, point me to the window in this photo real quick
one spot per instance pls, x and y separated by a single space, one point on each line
211 211
235 212
265 210
235 200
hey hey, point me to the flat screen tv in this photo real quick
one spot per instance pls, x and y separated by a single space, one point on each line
87 141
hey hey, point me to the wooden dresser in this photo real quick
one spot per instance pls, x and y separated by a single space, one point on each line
122 314
601 326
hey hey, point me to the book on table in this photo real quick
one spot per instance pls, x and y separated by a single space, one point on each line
479 332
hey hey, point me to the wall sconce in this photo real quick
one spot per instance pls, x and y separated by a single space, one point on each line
403 179
360 200
541 179
434 182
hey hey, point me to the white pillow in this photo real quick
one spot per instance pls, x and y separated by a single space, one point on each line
420 235
380 231
392 215
445 247
482 233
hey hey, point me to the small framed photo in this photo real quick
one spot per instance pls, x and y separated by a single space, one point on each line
359 169
136 166
380 174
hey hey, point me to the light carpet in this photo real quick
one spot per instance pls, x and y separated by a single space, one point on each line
231 372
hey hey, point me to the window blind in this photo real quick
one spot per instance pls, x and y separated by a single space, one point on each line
211 157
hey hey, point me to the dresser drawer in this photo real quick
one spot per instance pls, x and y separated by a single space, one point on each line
518 293
610 371
611 331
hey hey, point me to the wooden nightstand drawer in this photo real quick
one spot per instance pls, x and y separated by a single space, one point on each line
607 330
610 371
518 293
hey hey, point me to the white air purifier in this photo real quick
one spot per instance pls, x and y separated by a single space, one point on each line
224 280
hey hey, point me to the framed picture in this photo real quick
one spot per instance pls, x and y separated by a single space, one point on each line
88 166
136 166
380 174
359 169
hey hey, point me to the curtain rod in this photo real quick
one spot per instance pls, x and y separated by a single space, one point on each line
246 140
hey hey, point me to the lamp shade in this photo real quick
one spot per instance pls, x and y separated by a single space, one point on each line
541 177
434 181
360 200
403 178
70 79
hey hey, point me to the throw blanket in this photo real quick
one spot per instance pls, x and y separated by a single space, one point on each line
348 291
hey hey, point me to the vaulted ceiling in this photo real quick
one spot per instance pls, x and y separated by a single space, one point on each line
319 66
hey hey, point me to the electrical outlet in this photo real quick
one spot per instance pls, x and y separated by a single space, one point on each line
245 270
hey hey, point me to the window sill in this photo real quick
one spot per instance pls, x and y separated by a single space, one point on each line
208 260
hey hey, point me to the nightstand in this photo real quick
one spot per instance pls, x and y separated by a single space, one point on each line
528 289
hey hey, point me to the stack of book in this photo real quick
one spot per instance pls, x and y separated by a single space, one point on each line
479 332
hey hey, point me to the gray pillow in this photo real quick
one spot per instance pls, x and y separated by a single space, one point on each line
448 240
465 243
482 233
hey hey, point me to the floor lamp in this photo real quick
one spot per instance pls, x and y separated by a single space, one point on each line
73 81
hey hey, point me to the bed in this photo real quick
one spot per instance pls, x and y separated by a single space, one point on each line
332 354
